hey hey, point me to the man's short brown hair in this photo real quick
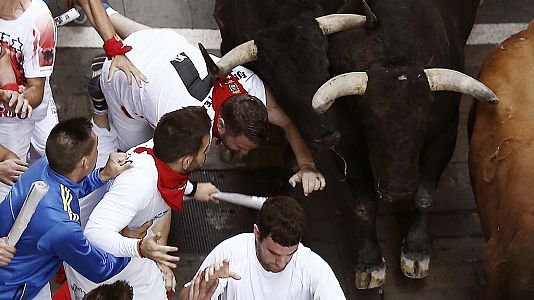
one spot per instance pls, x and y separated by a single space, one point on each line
68 142
247 115
180 133
281 217
119 290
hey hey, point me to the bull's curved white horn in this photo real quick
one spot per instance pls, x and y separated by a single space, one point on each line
248 51
333 23
240 55
353 83
451 80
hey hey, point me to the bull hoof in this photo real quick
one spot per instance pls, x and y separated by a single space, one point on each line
370 277
414 265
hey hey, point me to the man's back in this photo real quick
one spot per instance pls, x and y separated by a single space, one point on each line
32 262
161 55
307 276
178 78
111 214
53 234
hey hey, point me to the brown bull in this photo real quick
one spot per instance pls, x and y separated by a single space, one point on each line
501 165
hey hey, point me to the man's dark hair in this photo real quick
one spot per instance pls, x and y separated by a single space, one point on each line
180 133
119 290
68 142
246 114
283 218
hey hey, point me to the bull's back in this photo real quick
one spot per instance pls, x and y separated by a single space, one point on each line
501 153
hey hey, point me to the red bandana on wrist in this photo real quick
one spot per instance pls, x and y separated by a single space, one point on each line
223 89
11 87
171 184
114 46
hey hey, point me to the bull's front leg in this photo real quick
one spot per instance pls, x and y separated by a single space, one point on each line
416 248
370 271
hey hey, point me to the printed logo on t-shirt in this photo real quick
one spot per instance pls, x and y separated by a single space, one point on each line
78 292
40 40
240 75
10 113
197 88
12 47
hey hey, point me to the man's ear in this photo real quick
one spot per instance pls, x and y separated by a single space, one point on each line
186 161
84 162
220 125
256 232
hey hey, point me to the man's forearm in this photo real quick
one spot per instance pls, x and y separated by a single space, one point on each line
301 151
111 241
6 153
98 18
34 91
184 294
163 226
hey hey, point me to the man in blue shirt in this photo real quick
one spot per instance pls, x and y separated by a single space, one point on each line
53 234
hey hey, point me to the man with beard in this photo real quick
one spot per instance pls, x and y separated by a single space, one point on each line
147 193
240 105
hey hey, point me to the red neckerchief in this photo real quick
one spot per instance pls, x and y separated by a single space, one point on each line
224 89
171 184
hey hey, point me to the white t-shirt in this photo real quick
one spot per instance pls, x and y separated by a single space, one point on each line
132 199
30 40
177 78
306 277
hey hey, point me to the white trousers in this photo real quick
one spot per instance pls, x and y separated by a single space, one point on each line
18 136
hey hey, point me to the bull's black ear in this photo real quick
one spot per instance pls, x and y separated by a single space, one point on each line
213 69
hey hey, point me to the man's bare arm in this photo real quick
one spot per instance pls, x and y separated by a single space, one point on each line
34 91
204 283
101 22
12 97
11 166
98 18
308 175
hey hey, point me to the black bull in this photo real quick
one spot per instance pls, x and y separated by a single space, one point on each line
398 137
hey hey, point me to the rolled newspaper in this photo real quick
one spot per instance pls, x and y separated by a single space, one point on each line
37 191
240 199
67 17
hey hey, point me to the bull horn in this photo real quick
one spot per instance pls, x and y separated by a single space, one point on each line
240 55
333 23
248 51
451 80
353 83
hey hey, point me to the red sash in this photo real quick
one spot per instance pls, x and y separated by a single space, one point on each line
171 184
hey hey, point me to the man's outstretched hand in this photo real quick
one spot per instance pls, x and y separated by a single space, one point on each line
121 62
116 164
204 284
6 252
11 169
311 179
150 248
